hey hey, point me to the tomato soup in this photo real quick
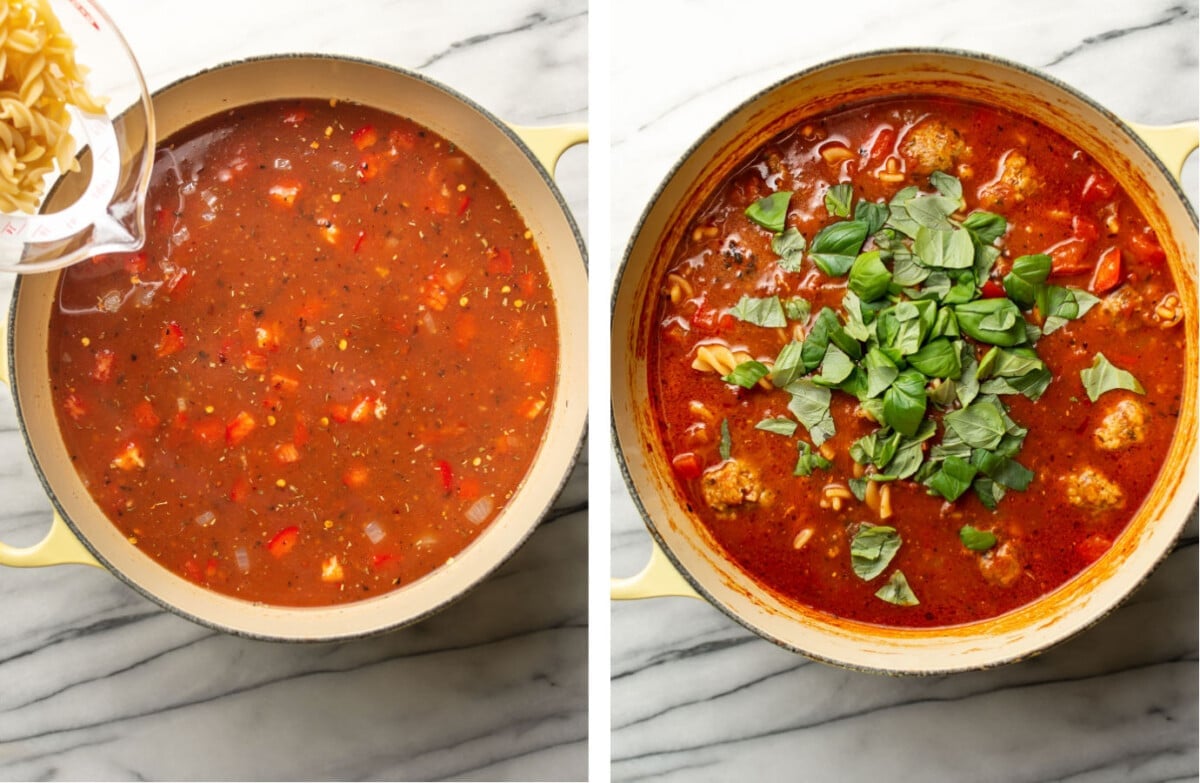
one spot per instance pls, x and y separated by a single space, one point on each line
329 368
916 362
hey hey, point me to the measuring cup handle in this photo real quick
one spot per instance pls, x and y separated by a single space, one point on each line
658 579
1170 143
59 546
549 142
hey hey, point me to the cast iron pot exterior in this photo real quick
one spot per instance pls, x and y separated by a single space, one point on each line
507 158
646 467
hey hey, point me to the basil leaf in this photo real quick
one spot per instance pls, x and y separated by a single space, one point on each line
809 461
980 424
838 198
989 492
898 217
726 443
770 212
976 540
872 549
1059 305
986 227
908 458
810 405
904 402
992 321
767 311
1033 385
907 271
780 425
953 478
951 446
858 486
817 339
947 249
1022 281
835 368
856 327
869 278
937 359
797 309
932 212
789 246
943 394
872 214
945 324
948 186
1104 376
789 364
881 371
835 247
962 291
1004 471
985 259
747 374
897 591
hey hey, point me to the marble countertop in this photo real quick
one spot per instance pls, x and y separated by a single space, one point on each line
695 697
98 683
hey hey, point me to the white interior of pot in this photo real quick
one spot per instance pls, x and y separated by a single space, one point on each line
1010 637
406 95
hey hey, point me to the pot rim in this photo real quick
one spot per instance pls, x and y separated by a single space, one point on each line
536 520
626 263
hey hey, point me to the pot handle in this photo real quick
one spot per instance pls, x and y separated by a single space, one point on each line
1170 143
60 546
658 579
549 142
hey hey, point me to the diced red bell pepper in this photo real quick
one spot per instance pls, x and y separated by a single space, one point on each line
1145 248
367 168
447 475
339 412
538 366
144 416
135 263
1098 187
295 116
300 434
239 428
171 342
358 243
287 453
284 541
499 261
1092 547
365 137
240 490
687 465
464 204
881 147
1108 272
355 476
284 383
1069 257
102 368
210 430
1083 228
992 289
469 488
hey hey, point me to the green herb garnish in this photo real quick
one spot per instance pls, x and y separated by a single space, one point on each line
1104 376
976 540
770 212
897 591
872 549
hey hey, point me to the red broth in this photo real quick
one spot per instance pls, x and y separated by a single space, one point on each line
1092 463
328 370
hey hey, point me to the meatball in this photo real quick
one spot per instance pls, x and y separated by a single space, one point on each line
731 484
1001 566
1016 179
931 145
1123 425
1091 490
1120 305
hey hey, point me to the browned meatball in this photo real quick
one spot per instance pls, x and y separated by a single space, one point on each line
1091 490
732 484
1123 426
1016 179
931 145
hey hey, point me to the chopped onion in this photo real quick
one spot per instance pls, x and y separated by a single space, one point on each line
181 403
180 236
145 295
206 519
283 164
480 509
316 342
374 531
427 319
111 302
243 559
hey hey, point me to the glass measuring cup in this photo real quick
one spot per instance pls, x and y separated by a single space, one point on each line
97 209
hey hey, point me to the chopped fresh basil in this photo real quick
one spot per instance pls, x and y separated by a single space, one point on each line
747 374
1058 305
835 368
874 215
953 478
937 359
980 424
881 372
989 492
985 226
869 278
779 425
1104 376
872 549
944 248
838 198
1001 469
835 247
949 187
770 212
992 321
809 461
810 406
904 402
797 309
976 540
789 246
858 486
789 364
1026 276
897 591
767 311
726 444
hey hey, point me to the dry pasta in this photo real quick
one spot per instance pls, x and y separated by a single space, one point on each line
38 79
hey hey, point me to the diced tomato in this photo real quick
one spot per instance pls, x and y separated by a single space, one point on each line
332 571
1145 247
452 279
1069 257
74 406
531 407
171 342
362 235
381 559
469 488
284 383
364 137
1108 272
284 541
300 434
295 116
710 321
103 364
363 409
254 361
129 458
355 476
1083 228
499 261
135 263
687 465
992 289
464 204
881 147
210 430
239 428
447 475
179 282
287 453
367 168
402 140
144 415
210 568
266 336
538 366
330 233
1098 187
526 282
1092 547
339 412
240 490
465 329
272 402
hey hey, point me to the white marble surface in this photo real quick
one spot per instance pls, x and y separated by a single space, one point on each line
694 696
98 683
